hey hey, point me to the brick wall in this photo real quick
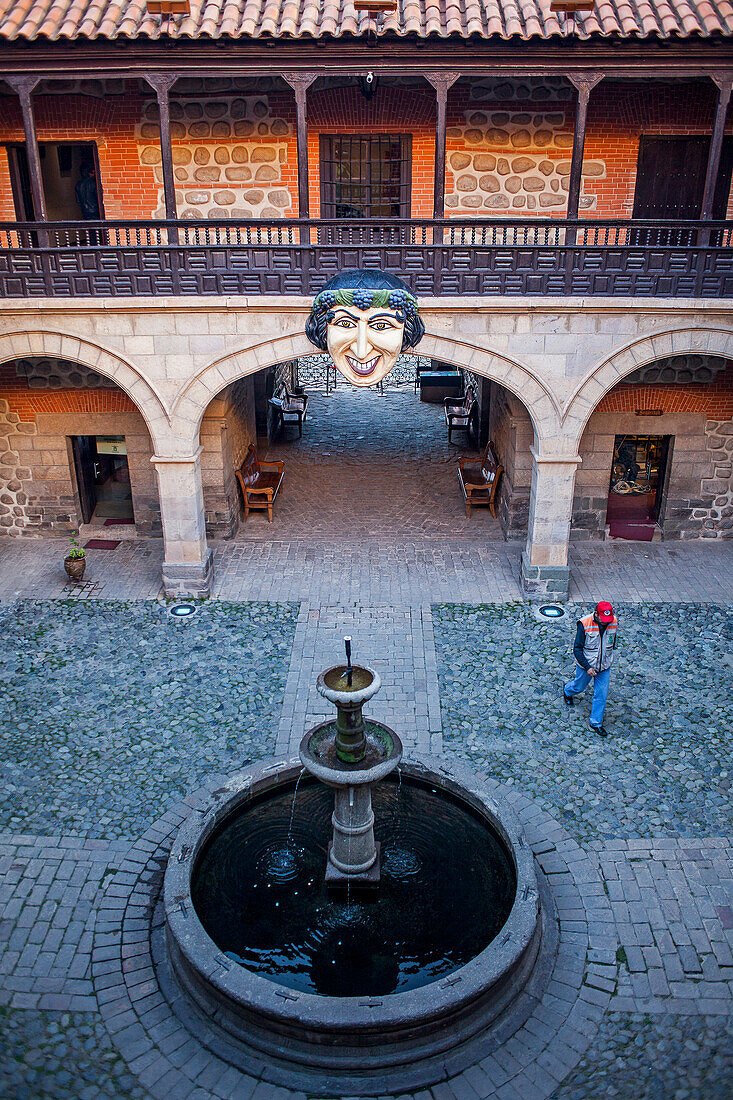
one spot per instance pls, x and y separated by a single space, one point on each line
508 144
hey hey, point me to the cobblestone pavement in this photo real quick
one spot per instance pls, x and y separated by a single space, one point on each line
112 712
665 767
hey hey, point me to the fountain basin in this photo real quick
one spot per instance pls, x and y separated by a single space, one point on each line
290 1035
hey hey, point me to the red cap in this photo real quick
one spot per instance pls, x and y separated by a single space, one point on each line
604 611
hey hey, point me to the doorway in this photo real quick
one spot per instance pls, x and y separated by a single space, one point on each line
63 165
638 474
103 479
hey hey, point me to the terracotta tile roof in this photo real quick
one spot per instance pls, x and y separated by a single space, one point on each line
523 19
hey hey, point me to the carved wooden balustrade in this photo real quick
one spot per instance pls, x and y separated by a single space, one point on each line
524 257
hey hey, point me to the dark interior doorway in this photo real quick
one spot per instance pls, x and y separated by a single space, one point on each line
638 475
670 182
62 166
103 479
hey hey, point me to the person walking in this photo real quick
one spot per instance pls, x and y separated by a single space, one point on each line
595 643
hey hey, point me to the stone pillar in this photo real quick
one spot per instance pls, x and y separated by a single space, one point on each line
545 573
188 567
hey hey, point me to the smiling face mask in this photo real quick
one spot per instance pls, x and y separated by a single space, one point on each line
364 324
364 343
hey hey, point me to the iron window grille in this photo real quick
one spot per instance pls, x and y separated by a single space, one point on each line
365 177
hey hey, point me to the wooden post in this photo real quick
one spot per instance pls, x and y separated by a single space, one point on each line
441 82
584 83
725 83
161 83
300 83
24 85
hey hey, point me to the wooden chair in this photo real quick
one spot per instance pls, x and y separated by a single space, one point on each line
480 483
461 413
260 482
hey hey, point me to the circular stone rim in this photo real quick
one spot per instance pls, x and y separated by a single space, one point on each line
281 1011
349 775
355 698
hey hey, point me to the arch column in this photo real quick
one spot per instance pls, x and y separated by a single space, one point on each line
545 573
188 564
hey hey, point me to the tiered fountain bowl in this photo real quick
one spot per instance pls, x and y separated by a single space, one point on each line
284 964
350 755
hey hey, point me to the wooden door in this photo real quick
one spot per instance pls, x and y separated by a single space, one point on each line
670 177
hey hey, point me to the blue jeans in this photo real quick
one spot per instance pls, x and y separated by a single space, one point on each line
600 691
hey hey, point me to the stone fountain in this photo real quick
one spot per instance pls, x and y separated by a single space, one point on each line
351 990
351 755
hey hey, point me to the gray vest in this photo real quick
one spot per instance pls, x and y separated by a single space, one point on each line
598 648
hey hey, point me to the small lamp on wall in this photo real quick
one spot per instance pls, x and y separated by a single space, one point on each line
368 85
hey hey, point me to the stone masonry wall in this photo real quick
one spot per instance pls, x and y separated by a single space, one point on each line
226 431
15 476
511 431
229 154
514 160
717 516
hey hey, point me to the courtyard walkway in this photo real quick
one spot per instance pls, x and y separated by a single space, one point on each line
114 715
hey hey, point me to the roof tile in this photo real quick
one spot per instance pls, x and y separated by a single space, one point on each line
523 19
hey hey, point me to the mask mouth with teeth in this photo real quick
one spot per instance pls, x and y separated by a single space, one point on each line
364 319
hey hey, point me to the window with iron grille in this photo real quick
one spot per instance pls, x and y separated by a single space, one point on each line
366 177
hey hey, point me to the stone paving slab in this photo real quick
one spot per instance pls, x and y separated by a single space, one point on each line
397 643
373 572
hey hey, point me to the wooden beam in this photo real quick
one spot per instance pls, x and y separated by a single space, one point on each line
300 83
441 82
584 82
24 86
161 83
725 84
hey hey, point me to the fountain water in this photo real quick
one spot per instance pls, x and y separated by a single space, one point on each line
277 971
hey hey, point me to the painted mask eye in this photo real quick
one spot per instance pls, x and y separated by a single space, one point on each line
381 326
343 322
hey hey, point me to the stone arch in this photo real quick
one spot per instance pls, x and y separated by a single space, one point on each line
74 349
615 367
189 408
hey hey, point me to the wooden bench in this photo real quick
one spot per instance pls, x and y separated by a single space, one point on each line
290 408
461 413
260 482
480 482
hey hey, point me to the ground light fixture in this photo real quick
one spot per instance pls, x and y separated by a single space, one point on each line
550 612
182 610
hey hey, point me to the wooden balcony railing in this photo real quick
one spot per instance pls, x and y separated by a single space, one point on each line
436 258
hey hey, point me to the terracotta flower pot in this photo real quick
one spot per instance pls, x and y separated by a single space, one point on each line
75 567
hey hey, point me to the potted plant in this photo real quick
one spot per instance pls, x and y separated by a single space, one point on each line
75 561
